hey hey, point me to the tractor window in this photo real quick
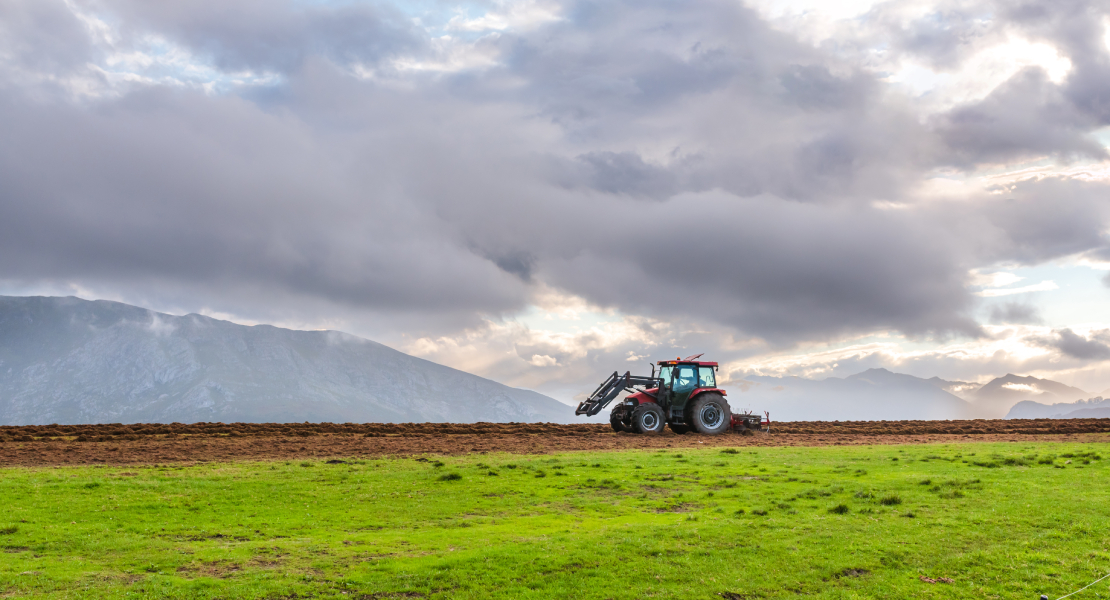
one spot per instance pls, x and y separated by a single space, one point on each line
706 377
665 375
685 378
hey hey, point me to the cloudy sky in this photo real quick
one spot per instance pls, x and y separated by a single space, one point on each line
544 192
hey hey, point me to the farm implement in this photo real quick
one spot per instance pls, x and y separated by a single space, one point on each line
683 396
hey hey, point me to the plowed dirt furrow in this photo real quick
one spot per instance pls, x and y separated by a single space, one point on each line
204 442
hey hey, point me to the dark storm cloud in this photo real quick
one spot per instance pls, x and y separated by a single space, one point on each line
1030 116
1035 221
782 271
1014 313
1077 28
727 101
1094 347
667 159
628 173
1026 117
215 192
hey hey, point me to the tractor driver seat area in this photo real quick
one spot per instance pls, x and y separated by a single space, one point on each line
685 379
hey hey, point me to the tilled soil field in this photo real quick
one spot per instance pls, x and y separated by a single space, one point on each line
201 442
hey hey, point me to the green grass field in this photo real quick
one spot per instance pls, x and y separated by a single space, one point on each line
999 520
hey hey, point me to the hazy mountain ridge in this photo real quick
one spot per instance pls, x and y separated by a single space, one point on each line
873 395
1093 408
879 394
960 389
67 360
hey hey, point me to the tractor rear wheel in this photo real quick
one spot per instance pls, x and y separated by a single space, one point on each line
647 418
710 414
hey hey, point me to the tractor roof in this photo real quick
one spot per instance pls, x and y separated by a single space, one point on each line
686 362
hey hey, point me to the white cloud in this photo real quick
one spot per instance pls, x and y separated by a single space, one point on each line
981 73
543 360
1106 32
518 15
450 55
1043 286
161 328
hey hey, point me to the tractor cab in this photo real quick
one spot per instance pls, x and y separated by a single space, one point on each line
680 381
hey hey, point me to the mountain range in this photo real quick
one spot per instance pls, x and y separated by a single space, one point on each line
873 395
879 394
68 360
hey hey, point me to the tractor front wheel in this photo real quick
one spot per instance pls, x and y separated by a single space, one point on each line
710 414
647 418
616 419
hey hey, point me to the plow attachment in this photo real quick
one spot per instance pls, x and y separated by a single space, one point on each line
751 422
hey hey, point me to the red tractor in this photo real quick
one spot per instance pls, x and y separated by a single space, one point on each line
683 396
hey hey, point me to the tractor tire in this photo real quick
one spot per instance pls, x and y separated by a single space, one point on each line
709 414
679 429
648 419
616 420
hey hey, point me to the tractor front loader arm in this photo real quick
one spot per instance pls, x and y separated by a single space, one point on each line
611 388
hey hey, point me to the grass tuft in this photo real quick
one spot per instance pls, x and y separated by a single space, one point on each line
839 509
891 500
450 477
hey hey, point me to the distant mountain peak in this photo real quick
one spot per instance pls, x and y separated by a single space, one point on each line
1014 382
1003 393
